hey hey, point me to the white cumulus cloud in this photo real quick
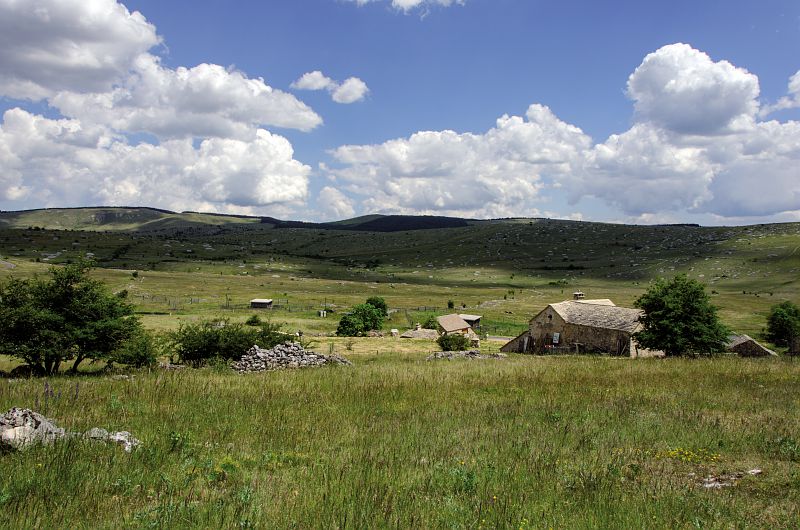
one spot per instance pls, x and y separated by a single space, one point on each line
90 60
59 163
349 91
206 100
494 174
83 45
683 90
697 147
334 205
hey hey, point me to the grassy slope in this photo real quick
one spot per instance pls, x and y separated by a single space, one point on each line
569 442
501 269
111 218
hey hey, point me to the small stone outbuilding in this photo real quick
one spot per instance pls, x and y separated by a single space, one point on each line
261 303
747 346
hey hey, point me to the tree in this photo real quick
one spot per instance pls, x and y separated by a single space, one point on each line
380 304
783 323
360 319
680 319
68 317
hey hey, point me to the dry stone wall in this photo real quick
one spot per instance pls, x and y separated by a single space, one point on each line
283 356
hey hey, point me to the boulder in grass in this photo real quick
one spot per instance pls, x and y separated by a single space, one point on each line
21 428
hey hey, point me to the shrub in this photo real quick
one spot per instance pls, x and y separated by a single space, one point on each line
142 350
197 343
454 342
450 304
430 322
253 320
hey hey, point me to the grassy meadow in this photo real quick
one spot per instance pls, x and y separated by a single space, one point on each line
394 440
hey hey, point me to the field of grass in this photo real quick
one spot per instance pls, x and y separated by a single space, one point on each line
395 441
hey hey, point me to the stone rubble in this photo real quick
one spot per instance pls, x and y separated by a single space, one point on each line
282 356
727 480
21 428
471 354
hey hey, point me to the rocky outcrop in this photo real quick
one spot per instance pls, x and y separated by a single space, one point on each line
471 354
21 428
283 356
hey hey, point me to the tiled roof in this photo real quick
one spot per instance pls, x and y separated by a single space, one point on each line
452 323
598 315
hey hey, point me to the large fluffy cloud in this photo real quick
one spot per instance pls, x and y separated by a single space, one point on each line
697 147
681 89
91 61
493 174
206 100
47 46
58 162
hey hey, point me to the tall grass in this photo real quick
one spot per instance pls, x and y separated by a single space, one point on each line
394 441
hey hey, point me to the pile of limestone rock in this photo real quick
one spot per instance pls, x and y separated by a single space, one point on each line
282 356
21 428
471 354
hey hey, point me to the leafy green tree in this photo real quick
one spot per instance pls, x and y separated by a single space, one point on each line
680 319
783 323
380 304
360 319
350 325
67 317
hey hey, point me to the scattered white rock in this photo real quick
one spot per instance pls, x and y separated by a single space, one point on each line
21 428
471 354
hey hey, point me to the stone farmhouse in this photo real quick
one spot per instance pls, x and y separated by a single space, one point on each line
581 326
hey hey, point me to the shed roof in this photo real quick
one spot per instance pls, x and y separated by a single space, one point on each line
600 315
261 301
452 323
470 317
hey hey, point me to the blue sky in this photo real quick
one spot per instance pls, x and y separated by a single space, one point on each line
478 108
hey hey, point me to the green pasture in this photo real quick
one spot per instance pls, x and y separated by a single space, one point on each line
398 442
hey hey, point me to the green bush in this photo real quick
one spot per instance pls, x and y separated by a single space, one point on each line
198 343
454 342
430 322
142 350
253 320
361 319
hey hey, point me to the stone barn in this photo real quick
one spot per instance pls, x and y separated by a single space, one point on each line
580 326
